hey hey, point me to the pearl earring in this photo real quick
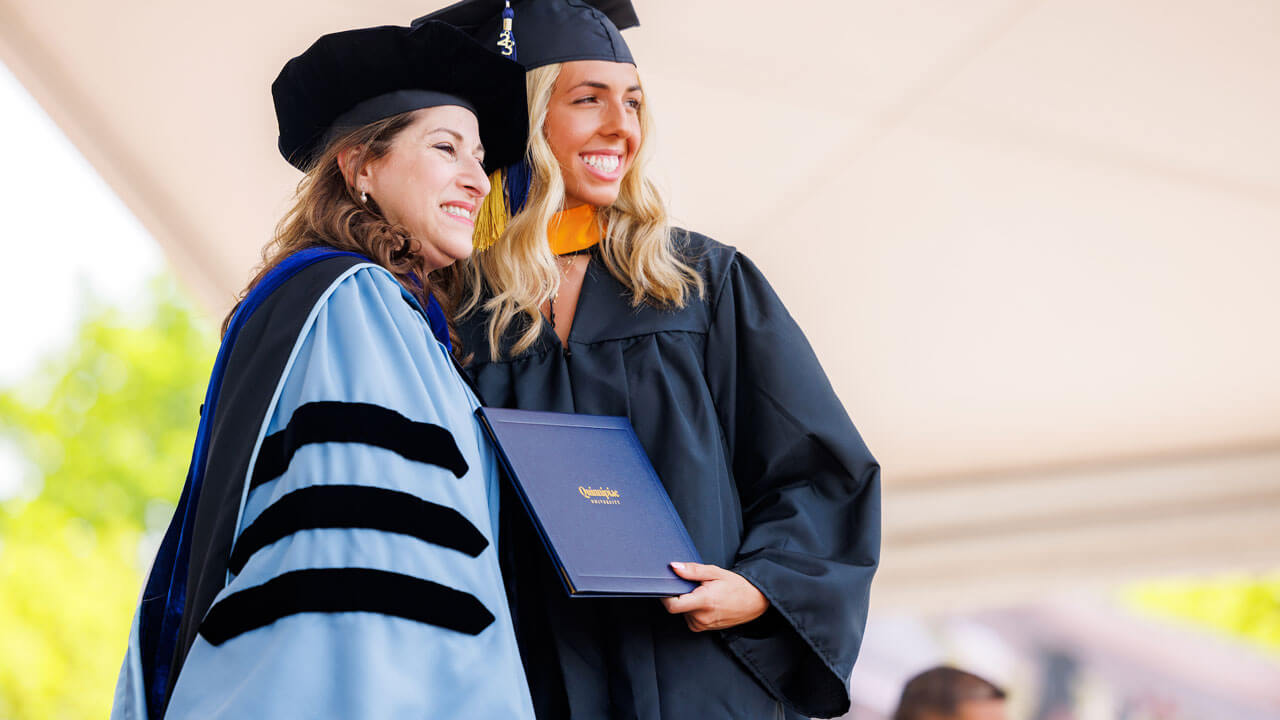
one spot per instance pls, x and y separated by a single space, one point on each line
364 197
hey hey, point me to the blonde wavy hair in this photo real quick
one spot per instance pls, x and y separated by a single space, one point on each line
520 273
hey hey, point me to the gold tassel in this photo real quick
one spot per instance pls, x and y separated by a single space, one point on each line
491 221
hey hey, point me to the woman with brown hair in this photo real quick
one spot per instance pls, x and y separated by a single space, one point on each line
333 553
589 302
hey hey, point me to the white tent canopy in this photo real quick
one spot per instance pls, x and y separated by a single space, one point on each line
1035 243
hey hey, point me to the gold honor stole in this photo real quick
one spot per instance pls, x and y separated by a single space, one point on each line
574 229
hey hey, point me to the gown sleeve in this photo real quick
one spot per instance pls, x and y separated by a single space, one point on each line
363 579
810 494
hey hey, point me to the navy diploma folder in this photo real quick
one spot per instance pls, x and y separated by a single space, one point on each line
596 501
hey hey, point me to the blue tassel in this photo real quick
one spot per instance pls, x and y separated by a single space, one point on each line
507 40
519 177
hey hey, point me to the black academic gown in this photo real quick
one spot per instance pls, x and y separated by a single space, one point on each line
764 467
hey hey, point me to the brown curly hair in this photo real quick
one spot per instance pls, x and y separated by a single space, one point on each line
328 212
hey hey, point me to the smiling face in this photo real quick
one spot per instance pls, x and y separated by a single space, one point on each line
593 128
432 181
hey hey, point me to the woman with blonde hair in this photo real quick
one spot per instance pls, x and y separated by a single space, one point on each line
589 302
333 553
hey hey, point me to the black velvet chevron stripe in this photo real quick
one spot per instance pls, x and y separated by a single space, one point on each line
352 506
342 590
331 421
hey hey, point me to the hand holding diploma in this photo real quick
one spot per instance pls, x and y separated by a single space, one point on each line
722 600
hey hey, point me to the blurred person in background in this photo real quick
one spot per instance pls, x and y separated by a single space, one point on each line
947 693
589 302
333 553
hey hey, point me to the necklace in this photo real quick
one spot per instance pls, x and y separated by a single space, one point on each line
570 233
564 268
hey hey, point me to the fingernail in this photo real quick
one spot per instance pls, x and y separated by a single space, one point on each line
678 565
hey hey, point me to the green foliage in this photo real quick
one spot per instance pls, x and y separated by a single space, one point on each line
1244 607
107 426
69 590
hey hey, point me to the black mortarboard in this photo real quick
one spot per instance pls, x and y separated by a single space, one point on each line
346 80
546 31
